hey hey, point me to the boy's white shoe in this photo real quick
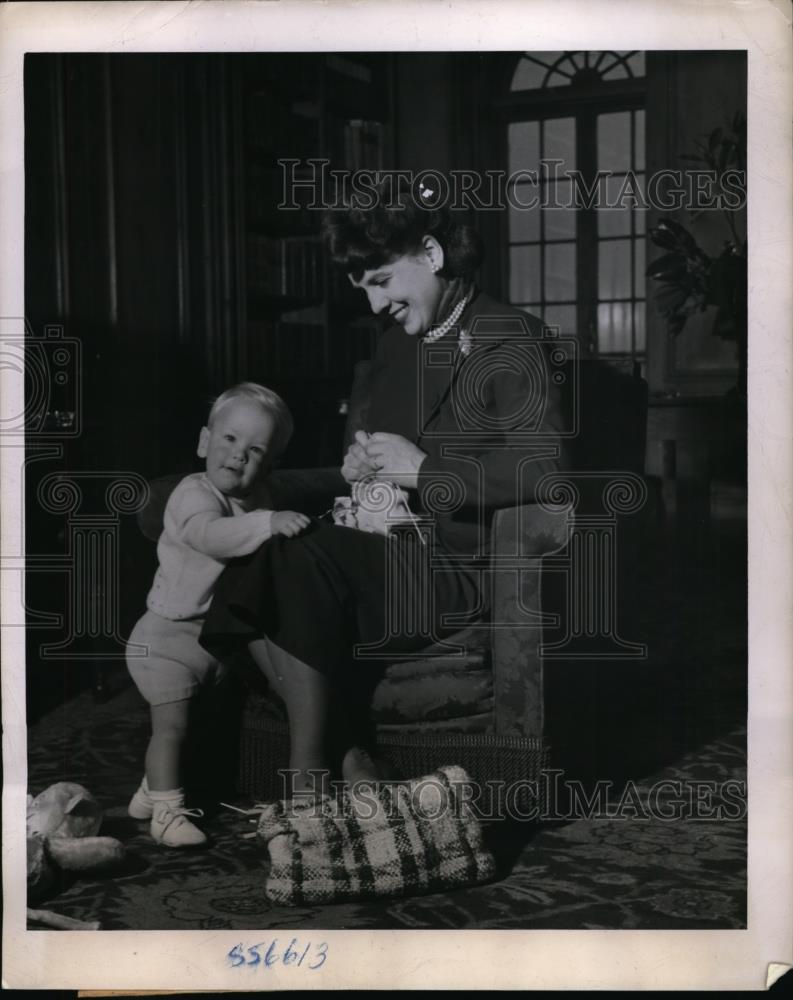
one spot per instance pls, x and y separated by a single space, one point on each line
141 805
170 826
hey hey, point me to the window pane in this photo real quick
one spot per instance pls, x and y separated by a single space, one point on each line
524 274
614 141
636 63
641 213
562 317
614 269
523 139
567 64
639 311
560 277
614 327
626 193
524 224
533 309
558 195
639 262
613 68
559 142
638 118
560 223
613 221
615 71
529 75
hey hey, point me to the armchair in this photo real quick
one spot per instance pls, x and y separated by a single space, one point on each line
481 707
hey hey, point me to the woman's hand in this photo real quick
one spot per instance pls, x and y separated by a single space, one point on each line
288 522
395 458
357 465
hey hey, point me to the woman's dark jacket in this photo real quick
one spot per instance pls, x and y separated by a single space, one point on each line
492 422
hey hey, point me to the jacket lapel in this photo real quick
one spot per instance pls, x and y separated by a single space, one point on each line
438 380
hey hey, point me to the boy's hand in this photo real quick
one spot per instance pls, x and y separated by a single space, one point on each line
289 523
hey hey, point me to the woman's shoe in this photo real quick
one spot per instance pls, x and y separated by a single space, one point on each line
359 765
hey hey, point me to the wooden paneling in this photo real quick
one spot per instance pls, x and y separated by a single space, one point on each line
130 243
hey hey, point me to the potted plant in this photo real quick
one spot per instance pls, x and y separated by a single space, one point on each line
690 279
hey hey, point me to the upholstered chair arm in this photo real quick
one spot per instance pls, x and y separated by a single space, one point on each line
520 537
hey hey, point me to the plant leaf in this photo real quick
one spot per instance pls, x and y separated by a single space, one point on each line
666 268
725 154
669 298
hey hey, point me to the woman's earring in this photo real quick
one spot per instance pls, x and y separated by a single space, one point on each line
434 268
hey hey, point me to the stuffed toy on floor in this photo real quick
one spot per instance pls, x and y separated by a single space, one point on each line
62 823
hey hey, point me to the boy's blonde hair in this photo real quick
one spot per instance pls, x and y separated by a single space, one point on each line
269 401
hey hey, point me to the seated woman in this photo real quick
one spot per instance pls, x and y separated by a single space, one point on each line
462 416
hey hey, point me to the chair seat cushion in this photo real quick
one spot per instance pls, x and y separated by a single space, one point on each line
438 683
432 694
471 642
428 688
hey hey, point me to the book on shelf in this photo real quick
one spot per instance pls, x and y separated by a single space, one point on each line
290 266
286 350
352 68
356 144
265 195
281 350
363 144
282 130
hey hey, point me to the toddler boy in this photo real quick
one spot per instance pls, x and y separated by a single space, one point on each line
210 517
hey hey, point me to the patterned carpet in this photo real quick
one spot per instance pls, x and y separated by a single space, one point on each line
677 718
589 873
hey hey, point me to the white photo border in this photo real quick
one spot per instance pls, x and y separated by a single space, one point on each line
645 959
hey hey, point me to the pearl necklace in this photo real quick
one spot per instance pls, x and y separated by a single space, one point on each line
449 322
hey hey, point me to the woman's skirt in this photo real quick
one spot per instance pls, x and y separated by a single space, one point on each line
333 594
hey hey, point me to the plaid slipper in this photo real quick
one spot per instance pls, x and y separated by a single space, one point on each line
385 840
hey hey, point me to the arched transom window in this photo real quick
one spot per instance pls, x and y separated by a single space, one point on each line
577 119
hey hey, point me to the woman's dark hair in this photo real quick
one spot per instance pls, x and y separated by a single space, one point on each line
390 220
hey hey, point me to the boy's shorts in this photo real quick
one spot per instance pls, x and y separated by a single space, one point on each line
173 666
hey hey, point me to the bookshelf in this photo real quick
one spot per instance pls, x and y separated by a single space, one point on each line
304 326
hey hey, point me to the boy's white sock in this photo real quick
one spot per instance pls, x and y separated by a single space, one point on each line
141 805
175 796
